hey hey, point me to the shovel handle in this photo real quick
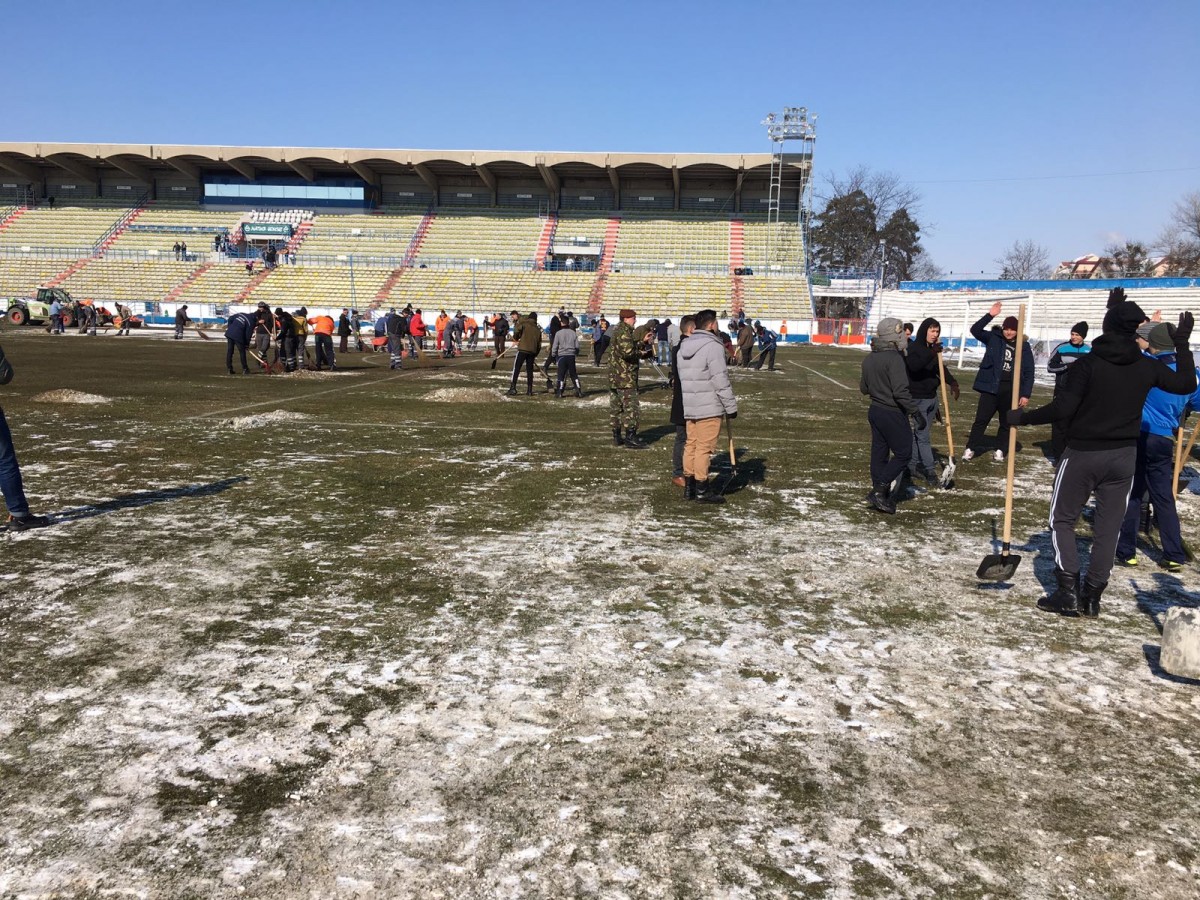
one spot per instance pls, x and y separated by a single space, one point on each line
946 406
1019 352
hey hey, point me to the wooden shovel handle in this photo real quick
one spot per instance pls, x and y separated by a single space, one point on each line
1019 352
946 406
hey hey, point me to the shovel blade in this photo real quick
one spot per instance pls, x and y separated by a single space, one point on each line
947 477
998 567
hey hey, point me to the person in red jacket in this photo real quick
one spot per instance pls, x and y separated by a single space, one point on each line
416 328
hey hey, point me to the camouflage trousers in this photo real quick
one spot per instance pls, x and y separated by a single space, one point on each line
623 408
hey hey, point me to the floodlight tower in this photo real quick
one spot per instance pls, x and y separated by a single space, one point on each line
794 125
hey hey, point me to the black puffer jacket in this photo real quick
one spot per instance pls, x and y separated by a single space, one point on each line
922 364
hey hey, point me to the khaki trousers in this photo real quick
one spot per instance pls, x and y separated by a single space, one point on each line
702 437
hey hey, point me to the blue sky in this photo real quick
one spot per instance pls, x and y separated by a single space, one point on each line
983 108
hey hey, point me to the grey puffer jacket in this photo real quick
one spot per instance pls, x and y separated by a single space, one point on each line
704 377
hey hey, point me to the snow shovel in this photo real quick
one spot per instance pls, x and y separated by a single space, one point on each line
947 477
732 459
1003 565
496 358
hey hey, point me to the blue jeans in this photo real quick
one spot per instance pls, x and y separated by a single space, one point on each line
1155 473
10 473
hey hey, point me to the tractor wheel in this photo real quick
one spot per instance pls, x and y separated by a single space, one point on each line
68 319
18 315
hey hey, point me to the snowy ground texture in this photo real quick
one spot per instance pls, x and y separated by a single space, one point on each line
399 635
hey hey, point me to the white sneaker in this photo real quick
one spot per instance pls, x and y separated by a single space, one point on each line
968 455
998 456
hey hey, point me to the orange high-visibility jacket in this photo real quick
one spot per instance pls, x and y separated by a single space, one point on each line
321 324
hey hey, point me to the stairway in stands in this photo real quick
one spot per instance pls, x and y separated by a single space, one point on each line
75 267
737 260
414 246
298 237
611 233
546 240
255 280
13 216
178 290
117 230
384 292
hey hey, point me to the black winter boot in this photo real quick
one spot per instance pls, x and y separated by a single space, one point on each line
689 488
705 492
1065 600
633 442
1089 598
617 439
879 499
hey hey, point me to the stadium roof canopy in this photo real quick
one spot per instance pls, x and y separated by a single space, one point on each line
89 162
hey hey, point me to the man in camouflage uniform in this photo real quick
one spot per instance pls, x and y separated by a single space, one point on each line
627 348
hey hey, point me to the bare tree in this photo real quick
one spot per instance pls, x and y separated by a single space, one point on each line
924 268
1180 240
885 190
1023 261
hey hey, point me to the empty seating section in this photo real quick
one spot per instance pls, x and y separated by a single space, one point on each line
667 295
132 280
781 242
160 229
217 283
21 277
776 297
492 291
372 240
460 236
326 286
681 242
60 227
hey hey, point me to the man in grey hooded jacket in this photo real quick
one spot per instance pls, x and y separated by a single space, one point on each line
707 400
885 380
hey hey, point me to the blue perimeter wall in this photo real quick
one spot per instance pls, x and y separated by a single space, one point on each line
1085 284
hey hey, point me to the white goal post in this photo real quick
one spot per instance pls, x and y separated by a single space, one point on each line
969 317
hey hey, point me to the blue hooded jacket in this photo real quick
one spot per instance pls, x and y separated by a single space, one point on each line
1162 412
988 379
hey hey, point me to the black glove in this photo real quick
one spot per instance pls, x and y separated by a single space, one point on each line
1115 296
936 348
1013 417
954 391
1183 331
731 415
919 421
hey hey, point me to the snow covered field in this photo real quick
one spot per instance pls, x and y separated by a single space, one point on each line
384 634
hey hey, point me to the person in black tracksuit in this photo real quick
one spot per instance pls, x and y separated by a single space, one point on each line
924 381
885 380
994 381
1101 402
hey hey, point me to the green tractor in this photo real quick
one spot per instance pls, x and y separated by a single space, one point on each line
27 311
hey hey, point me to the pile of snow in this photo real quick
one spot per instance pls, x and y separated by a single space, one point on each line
465 395
64 395
262 420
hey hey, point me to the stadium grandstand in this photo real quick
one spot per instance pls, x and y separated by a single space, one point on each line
479 231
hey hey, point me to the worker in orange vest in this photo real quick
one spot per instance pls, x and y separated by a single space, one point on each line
322 327
440 324
471 327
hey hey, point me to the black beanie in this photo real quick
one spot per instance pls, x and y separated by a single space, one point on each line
1124 319
1079 328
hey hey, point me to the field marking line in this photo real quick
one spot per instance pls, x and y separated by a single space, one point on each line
827 378
343 388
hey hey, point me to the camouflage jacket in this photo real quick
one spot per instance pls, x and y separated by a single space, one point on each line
623 357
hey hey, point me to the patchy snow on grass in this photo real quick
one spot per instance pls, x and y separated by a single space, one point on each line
262 420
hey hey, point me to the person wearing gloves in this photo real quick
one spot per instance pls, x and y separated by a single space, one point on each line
19 516
885 380
707 400
924 381
1101 401
1154 470
1060 360
994 382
